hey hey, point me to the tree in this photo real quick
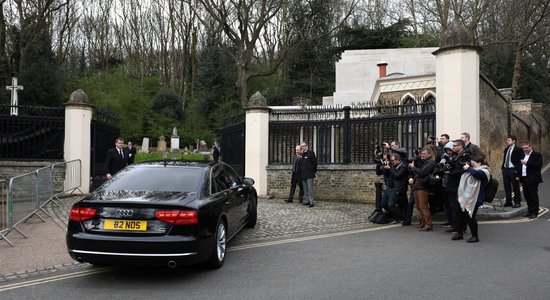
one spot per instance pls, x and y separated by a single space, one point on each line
258 29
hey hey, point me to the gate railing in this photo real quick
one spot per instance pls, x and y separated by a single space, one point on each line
27 194
344 135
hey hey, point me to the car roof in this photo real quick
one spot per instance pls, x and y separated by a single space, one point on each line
183 163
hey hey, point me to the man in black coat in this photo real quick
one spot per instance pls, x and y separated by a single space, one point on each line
116 158
308 170
531 165
131 153
511 171
456 164
296 179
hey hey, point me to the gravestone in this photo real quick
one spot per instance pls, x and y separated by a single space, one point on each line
145 145
175 141
204 150
186 150
161 145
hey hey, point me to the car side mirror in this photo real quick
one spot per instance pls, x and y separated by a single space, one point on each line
248 181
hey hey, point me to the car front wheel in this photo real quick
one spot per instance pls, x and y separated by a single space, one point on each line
218 254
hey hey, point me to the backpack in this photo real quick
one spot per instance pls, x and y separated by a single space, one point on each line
491 190
378 217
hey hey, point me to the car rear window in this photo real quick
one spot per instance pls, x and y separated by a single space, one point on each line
156 178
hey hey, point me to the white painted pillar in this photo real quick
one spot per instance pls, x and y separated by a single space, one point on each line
457 88
78 119
257 146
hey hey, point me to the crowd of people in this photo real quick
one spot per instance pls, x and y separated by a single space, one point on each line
452 176
445 175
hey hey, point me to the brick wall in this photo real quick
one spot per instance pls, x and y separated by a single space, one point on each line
493 126
353 183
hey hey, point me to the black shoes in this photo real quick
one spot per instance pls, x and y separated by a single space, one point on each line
457 237
532 216
473 239
311 205
406 223
305 203
288 201
516 205
301 201
507 204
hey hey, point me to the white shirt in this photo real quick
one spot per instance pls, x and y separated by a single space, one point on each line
523 166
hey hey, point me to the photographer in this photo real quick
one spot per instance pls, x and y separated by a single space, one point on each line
395 177
441 171
421 186
456 169
395 148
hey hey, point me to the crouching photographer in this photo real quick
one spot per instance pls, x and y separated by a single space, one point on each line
456 169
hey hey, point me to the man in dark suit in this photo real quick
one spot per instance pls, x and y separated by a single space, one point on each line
116 159
308 168
131 153
531 165
296 179
511 171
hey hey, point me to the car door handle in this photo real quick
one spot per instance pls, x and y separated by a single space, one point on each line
227 203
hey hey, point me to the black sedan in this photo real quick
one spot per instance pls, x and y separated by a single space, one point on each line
162 213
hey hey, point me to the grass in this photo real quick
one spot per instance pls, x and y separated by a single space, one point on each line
173 156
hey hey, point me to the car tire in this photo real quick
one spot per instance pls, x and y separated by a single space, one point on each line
252 212
217 258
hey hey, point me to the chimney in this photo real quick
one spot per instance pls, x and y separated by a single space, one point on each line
382 68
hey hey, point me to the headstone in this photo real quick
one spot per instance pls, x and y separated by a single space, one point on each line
204 150
161 145
145 145
175 141
186 150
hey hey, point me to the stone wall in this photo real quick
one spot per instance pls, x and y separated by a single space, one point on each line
493 126
353 183
10 168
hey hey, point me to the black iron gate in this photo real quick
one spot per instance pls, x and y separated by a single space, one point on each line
232 146
103 136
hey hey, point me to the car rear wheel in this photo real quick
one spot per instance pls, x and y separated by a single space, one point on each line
252 212
218 254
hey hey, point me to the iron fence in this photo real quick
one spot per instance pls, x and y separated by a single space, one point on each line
31 137
343 135
27 194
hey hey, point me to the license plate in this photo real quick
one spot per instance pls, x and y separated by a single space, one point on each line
125 225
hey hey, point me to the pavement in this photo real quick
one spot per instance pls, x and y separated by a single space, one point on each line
44 250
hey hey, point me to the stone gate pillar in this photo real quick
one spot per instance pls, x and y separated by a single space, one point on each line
78 120
257 142
457 85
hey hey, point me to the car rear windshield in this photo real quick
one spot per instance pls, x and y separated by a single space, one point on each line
156 178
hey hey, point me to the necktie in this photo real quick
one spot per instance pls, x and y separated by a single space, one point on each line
507 159
121 155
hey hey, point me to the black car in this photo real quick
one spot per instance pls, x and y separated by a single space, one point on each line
162 213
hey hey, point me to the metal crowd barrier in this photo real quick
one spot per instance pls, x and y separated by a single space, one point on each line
27 194
4 226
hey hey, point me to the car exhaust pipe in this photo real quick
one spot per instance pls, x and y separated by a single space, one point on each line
172 264
80 260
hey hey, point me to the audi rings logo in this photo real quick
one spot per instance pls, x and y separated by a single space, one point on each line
124 212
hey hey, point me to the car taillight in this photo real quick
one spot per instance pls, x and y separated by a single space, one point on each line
79 214
178 217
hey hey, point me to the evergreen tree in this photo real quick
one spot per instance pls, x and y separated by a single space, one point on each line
38 69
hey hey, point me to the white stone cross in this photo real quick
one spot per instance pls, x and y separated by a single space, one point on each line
14 88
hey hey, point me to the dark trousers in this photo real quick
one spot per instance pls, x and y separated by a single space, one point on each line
295 181
454 209
389 203
531 194
511 184
463 218
402 203
410 207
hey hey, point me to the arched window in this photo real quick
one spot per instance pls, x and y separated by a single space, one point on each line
429 104
409 106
